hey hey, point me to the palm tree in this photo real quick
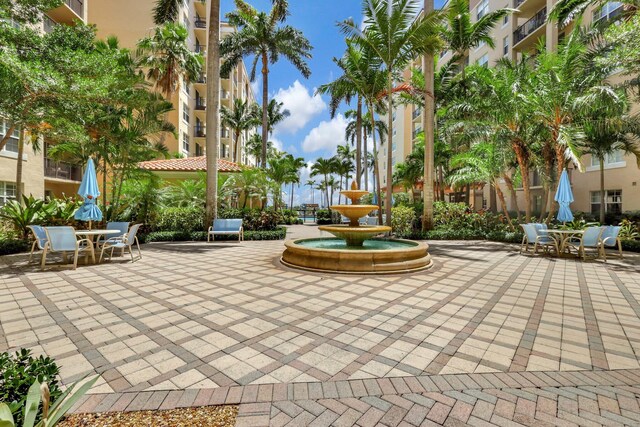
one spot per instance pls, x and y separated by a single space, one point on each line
608 127
212 140
344 88
312 186
295 164
485 162
166 11
259 34
396 36
323 167
242 117
167 58
428 128
564 11
275 115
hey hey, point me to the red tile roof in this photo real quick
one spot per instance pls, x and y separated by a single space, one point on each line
188 164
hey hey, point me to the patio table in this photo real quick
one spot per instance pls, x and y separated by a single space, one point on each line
563 237
91 234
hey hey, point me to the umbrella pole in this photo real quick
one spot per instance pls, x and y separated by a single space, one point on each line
90 224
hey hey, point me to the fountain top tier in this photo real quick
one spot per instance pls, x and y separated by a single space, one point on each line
354 194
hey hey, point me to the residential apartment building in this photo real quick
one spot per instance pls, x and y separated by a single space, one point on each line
40 174
521 33
131 21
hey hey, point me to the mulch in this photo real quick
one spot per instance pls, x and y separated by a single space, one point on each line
204 416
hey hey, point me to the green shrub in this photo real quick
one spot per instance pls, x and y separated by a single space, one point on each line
323 217
13 246
18 371
402 219
201 236
181 219
631 245
401 199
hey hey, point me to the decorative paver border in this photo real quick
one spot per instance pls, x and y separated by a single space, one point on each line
261 404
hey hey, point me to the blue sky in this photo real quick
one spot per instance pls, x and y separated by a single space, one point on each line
309 132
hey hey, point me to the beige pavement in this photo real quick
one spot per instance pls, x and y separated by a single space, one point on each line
196 317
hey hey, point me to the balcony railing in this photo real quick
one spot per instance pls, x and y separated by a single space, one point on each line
200 49
201 104
517 3
77 6
62 170
224 94
224 133
416 132
417 112
202 80
530 26
199 132
200 23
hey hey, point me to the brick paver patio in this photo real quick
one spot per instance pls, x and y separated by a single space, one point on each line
486 336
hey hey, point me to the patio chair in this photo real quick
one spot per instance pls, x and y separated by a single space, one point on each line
591 238
610 239
122 227
64 239
226 227
40 238
123 243
533 237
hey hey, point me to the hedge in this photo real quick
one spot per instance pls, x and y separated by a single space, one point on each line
13 246
201 236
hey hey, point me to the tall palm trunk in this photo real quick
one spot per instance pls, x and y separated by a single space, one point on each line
213 105
503 203
291 204
523 162
376 169
428 127
365 159
602 200
19 166
441 184
389 194
236 149
359 142
265 103
326 180
512 192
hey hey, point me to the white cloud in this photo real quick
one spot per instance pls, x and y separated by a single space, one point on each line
255 87
302 105
326 136
277 144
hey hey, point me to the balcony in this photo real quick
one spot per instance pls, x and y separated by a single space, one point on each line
416 132
200 49
62 170
417 113
224 94
201 104
68 12
200 23
199 132
531 26
224 133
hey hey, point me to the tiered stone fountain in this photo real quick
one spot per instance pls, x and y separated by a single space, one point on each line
354 249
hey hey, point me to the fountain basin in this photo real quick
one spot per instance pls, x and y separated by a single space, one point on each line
375 256
355 236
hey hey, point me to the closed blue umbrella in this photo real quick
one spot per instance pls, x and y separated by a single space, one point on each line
89 191
564 197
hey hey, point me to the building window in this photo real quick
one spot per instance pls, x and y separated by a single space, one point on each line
185 142
12 142
505 20
505 46
613 201
483 61
7 192
481 45
607 11
199 151
612 159
185 112
483 9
